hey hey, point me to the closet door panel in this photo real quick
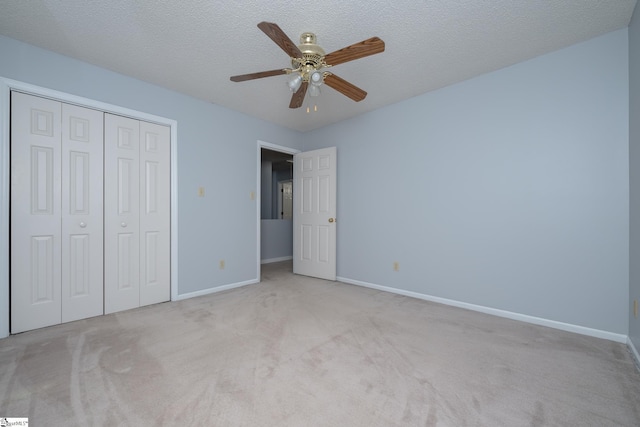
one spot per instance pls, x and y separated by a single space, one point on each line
82 219
121 213
35 212
155 206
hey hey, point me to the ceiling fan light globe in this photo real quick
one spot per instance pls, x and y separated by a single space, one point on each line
314 90
294 83
316 78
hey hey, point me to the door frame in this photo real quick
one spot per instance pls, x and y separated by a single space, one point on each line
280 195
6 86
272 147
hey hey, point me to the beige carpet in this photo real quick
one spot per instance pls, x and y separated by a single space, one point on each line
296 351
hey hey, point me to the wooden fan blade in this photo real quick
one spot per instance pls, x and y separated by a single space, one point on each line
355 51
261 74
298 98
345 88
276 34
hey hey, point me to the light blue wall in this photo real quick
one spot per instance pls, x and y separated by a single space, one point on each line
508 191
276 242
214 144
634 142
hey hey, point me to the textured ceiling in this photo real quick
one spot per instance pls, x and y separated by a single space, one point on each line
194 46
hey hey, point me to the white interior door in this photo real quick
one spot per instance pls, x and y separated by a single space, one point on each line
82 220
35 212
155 206
137 208
121 213
56 212
314 217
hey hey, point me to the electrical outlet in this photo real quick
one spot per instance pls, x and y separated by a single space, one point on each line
635 308
221 264
396 266
201 192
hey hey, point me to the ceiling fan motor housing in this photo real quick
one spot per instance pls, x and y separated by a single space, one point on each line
312 56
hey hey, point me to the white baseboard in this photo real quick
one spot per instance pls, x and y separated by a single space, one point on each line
215 290
496 312
634 352
270 260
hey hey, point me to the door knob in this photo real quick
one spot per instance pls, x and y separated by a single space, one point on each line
123 224
83 224
331 219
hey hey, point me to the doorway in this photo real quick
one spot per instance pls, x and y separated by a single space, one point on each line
274 201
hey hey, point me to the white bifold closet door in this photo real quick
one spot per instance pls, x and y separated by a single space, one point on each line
137 206
56 212
90 213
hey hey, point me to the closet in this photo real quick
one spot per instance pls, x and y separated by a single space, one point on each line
137 205
90 212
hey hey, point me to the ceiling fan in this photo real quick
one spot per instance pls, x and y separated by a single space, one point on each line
309 64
